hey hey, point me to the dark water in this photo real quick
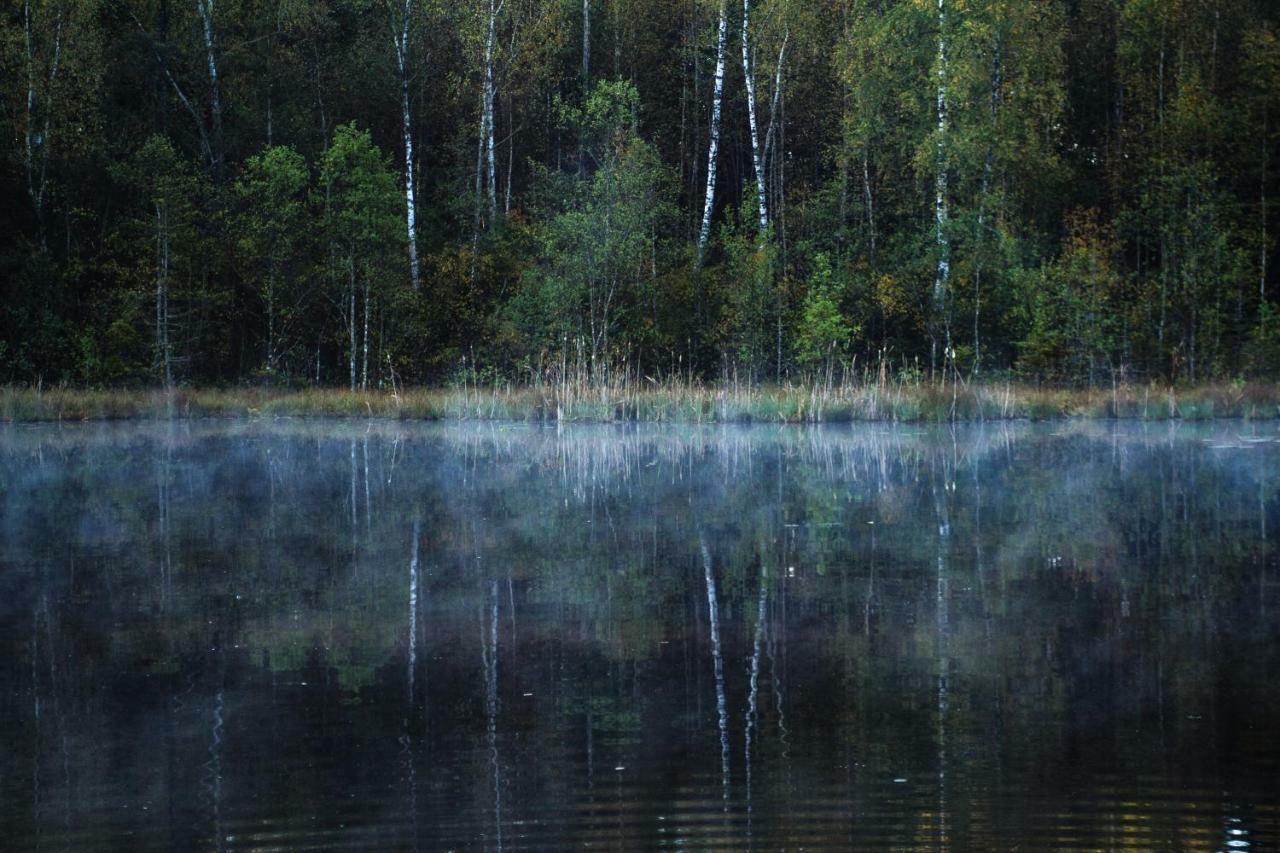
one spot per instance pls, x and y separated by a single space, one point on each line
295 635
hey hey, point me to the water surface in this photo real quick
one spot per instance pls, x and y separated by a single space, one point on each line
333 635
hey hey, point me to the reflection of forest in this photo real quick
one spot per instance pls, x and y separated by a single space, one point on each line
450 633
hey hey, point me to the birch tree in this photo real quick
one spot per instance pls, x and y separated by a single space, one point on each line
713 147
757 160
586 44
163 232
362 226
41 77
271 229
942 279
486 117
401 14
204 9
57 65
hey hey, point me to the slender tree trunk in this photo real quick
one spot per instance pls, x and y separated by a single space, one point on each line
205 9
586 76
31 104
271 321
988 168
351 318
364 370
1262 187
487 119
479 215
870 202
206 147
271 52
943 277
713 149
36 159
756 159
406 122
772 162
511 156
769 135
586 44
163 347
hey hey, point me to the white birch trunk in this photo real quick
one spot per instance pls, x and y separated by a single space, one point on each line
586 44
774 113
756 160
486 120
271 321
713 149
1262 207
364 370
205 9
777 94
351 319
943 276
479 216
36 142
31 104
411 212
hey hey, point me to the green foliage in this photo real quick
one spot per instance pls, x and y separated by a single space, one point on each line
824 332
160 244
1074 308
598 249
1262 353
281 204
272 239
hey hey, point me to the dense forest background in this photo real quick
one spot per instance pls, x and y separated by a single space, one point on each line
360 192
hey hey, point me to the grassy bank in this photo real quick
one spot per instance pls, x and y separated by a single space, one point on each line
674 401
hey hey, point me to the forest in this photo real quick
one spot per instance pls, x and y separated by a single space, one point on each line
364 193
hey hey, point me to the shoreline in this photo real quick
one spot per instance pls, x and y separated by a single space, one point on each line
672 402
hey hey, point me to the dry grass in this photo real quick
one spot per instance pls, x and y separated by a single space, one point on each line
622 397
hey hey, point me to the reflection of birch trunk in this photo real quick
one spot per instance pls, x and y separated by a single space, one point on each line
722 710
489 656
213 771
368 502
37 709
753 696
406 737
413 608
355 524
943 649
166 554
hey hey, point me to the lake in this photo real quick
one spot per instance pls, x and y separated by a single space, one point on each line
318 635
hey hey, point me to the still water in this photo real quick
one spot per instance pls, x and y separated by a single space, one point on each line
333 635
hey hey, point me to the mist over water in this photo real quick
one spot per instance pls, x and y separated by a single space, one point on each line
285 634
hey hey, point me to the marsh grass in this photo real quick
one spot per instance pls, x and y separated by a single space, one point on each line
624 397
